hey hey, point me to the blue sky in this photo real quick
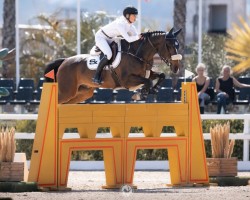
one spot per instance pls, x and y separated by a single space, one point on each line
158 11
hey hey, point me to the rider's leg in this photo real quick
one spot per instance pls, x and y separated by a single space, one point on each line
103 62
103 44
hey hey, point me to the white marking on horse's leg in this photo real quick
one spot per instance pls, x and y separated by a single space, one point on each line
135 87
136 97
147 74
155 81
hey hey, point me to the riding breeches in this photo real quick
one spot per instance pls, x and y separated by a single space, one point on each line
102 42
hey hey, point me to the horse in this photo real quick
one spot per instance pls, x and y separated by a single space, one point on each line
134 71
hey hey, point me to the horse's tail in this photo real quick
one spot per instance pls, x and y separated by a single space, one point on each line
54 65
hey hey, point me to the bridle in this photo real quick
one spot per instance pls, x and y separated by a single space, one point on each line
166 60
146 62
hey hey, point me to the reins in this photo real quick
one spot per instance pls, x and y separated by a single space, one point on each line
166 60
156 50
139 58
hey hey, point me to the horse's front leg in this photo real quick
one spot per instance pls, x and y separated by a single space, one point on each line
157 79
142 93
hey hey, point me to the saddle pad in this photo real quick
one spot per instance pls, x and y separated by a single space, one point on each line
93 60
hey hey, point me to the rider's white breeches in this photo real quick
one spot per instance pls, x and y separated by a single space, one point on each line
103 42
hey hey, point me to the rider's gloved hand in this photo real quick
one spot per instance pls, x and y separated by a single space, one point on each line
144 35
141 36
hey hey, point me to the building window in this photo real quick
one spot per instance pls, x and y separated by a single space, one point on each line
218 19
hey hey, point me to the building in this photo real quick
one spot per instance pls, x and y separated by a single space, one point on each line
217 16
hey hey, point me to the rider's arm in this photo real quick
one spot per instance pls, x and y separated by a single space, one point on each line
133 30
125 35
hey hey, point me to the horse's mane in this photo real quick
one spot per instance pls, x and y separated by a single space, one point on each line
153 33
145 35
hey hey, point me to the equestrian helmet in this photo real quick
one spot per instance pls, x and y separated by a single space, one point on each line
130 10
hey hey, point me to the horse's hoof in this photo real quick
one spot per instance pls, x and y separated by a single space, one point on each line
136 97
144 91
153 91
144 97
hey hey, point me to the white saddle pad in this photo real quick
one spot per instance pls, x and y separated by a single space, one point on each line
93 60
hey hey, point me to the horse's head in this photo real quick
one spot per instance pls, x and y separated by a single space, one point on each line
167 47
172 46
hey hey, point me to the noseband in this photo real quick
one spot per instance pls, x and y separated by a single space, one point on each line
166 60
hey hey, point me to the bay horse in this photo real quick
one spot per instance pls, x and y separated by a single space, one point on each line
134 70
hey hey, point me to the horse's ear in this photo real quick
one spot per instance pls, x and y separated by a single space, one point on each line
171 31
177 32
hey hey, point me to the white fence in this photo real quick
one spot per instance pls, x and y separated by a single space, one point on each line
150 165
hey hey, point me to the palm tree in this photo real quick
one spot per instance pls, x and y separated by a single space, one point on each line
237 46
8 34
180 22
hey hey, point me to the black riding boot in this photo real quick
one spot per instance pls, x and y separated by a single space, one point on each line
103 62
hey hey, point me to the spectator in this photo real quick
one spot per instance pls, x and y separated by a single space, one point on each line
202 83
224 88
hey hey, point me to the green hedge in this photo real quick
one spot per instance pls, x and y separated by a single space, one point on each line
142 154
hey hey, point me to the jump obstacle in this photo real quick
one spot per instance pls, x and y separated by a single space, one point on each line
51 153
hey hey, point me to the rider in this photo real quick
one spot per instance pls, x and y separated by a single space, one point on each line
123 26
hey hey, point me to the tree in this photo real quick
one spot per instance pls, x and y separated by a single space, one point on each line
180 22
214 55
237 46
56 38
8 33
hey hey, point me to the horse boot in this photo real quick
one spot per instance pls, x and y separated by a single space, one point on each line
103 62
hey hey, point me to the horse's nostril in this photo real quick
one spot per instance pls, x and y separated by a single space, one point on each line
176 69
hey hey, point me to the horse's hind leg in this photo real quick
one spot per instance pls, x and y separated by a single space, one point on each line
82 94
65 94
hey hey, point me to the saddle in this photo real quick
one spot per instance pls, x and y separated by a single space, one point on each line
95 55
113 46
